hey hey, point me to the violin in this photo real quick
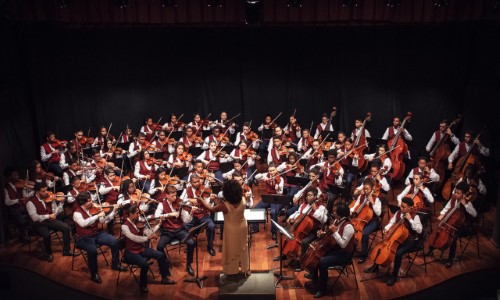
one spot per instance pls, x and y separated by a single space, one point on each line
59 196
252 136
178 124
142 197
59 143
185 156
21 183
102 163
222 139
48 175
86 187
96 209
150 161
86 140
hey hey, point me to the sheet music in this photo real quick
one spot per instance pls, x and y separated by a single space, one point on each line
251 215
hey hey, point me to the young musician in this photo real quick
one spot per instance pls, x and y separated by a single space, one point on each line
313 182
223 123
425 197
174 124
382 156
44 219
429 173
172 226
145 170
212 158
413 225
110 192
376 206
323 126
439 134
358 123
51 154
342 231
461 199
137 253
391 132
88 236
249 136
463 147
292 130
305 141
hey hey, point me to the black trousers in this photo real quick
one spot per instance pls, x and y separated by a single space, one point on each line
141 260
43 229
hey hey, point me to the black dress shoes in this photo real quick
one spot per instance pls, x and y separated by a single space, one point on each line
361 260
211 251
319 294
308 276
119 268
277 258
371 269
49 258
144 290
166 280
274 236
96 278
391 281
448 264
189 269
69 253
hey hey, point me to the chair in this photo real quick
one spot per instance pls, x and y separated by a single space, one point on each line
84 254
471 236
174 244
419 249
344 269
379 232
31 233
131 267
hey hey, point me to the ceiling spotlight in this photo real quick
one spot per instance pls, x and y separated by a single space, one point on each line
252 12
215 3
350 3
121 3
62 3
393 3
169 3
440 3
294 3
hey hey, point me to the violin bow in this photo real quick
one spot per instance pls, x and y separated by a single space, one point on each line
276 118
350 151
247 180
107 133
377 157
311 128
154 130
228 121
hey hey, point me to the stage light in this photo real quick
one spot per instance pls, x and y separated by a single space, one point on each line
169 3
121 3
350 2
393 3
294 3
440 3
215 3
252 12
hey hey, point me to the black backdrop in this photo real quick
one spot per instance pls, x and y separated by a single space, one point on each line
63 79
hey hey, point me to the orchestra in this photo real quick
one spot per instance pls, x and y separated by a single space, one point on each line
337 190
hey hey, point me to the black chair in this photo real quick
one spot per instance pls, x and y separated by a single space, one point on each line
32 234
84 254
345 269
174 244
419 250
471 236
132 268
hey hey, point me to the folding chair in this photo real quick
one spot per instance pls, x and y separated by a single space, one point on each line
419 249
471 236
344 269
84 254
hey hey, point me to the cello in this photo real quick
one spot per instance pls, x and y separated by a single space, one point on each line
318 248
361 215
383 254
442 237
400 149
361 142
460 169
441 150
299 230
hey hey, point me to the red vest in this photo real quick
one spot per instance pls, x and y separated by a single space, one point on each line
71 175
327 180
14 193
55 158
391 133
40 208
197 213
85 231
170 223
351 244
143 170
213 165
462 150
130 245
112 196
270 186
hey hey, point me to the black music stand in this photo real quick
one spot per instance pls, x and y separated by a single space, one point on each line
176 135
267 133
180 172
193 233
195 151
283 231
275 199
299 181
205 133
324 133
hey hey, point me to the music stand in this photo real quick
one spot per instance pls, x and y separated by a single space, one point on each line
193 233
283 231
299 181
176 135
180 172
195 151
205 133
275 199
267 134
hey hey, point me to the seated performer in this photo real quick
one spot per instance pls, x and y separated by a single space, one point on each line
429 173
420 194
342 231
44 220
462 199
413 225
137 253
172 226
88 237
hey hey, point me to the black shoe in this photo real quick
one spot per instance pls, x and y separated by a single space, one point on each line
277 258
319 294
144 290
274 236
49 258
298 269
391 281
96 278
189 269
166 280
254 230
308 276
69 253
119 268
371 269
448 264
361 260
211 251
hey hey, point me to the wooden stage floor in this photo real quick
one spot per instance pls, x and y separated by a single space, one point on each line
16 254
